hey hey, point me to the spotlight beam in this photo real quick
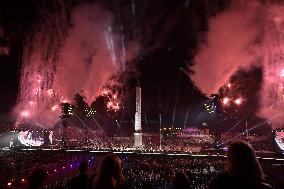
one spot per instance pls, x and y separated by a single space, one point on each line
257 125
101 129
235 126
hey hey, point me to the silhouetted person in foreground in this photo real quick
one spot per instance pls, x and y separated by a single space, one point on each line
109 175
37 179
181 181
80 181
92 178
243 170
147 185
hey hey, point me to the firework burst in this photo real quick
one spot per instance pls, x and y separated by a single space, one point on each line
113 100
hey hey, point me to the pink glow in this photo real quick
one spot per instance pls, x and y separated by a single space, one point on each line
229 85
54 108
25 114
109 104
238 101
225 100
50 92
282 74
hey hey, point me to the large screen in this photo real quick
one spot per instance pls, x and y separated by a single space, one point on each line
279 139
34 138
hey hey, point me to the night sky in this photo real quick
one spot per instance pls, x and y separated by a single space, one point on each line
158 63
169 33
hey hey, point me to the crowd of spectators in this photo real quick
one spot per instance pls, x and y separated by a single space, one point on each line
138 170
151 141
15 166
160 170
79 138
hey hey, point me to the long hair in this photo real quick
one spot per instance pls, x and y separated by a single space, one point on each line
37 179
242 162
109 174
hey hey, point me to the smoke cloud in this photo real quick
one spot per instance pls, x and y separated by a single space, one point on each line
272 92
60 61
230 45
248 33
87 62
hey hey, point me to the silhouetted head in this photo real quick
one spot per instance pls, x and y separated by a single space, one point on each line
181 181
83 167
37 179
109 173
147 185
242 162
